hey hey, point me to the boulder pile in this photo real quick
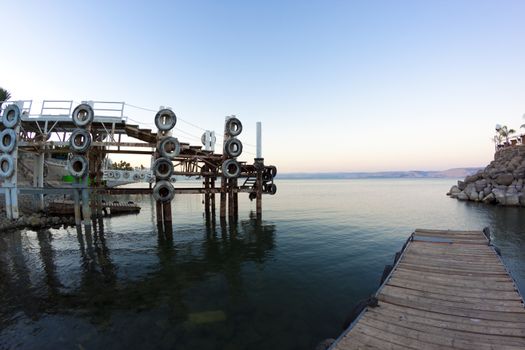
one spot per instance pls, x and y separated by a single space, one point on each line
501 182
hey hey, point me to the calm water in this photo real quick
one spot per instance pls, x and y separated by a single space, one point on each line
285 283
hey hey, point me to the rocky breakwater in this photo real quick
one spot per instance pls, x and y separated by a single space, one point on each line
501 182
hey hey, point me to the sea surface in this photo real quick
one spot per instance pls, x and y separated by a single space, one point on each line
286 282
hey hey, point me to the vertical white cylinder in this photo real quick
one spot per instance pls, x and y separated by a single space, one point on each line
259 140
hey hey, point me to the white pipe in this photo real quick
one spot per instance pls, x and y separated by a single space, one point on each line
259 140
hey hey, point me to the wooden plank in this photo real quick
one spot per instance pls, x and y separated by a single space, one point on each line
475 233
455 282
413 297
466 271
436 307
476 293
454 297
444 339
472 328
438 273
466 321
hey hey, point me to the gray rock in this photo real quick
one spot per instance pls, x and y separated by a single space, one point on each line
512 199
499 195
35 221
505 179
472 178
480 185
454 190
461 185
462 196
490 198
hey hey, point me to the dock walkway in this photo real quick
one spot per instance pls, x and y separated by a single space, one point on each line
447 290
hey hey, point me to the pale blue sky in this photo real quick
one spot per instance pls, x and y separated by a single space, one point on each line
338 85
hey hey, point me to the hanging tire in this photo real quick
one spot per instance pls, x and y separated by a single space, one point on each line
163 168
165 119
231 169
142 176
106 174
169 147
163 191
7 166
11 116
136 177
272 170
80 141
233 148
126 175
77 166
233 126
116 174
7 140
83 115
271 189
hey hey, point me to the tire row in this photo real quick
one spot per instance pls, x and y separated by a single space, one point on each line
8 140
168 148
80 140
231 168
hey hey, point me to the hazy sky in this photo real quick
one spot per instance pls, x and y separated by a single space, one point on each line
338 85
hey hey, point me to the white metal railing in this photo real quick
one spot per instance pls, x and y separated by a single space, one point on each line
108 108
26 105
56 107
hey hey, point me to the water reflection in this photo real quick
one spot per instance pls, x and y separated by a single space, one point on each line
169 291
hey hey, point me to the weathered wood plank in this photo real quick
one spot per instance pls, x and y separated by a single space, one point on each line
460 324
454 297
456 282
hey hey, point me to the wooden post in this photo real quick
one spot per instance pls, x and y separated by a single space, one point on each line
230 198
159 212
259 162
223 197
235 198
166 211
207 195
76 198
213 196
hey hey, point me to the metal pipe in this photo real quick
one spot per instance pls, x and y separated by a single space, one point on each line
259 140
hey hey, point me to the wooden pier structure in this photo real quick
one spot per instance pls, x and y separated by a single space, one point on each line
446 290
86 134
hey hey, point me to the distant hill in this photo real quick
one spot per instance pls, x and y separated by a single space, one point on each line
458 173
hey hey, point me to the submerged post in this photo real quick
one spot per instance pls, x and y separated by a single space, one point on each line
259 166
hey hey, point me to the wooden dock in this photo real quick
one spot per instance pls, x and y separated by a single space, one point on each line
447 290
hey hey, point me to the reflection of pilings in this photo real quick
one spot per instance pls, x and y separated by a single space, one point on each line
47 255
86 209
76 199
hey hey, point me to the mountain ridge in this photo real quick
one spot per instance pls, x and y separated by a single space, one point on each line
410 174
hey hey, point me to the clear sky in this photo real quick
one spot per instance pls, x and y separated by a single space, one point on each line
338 85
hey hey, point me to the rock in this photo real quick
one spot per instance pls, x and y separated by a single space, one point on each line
454 191
499 196
512 199
325 344
472 178
471 192
35 221
55 220
505 179
480 185
462 196
490 198
461 185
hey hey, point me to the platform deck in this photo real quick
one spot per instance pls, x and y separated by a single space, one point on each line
448 290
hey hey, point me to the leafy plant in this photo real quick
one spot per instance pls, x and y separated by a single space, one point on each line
4 96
